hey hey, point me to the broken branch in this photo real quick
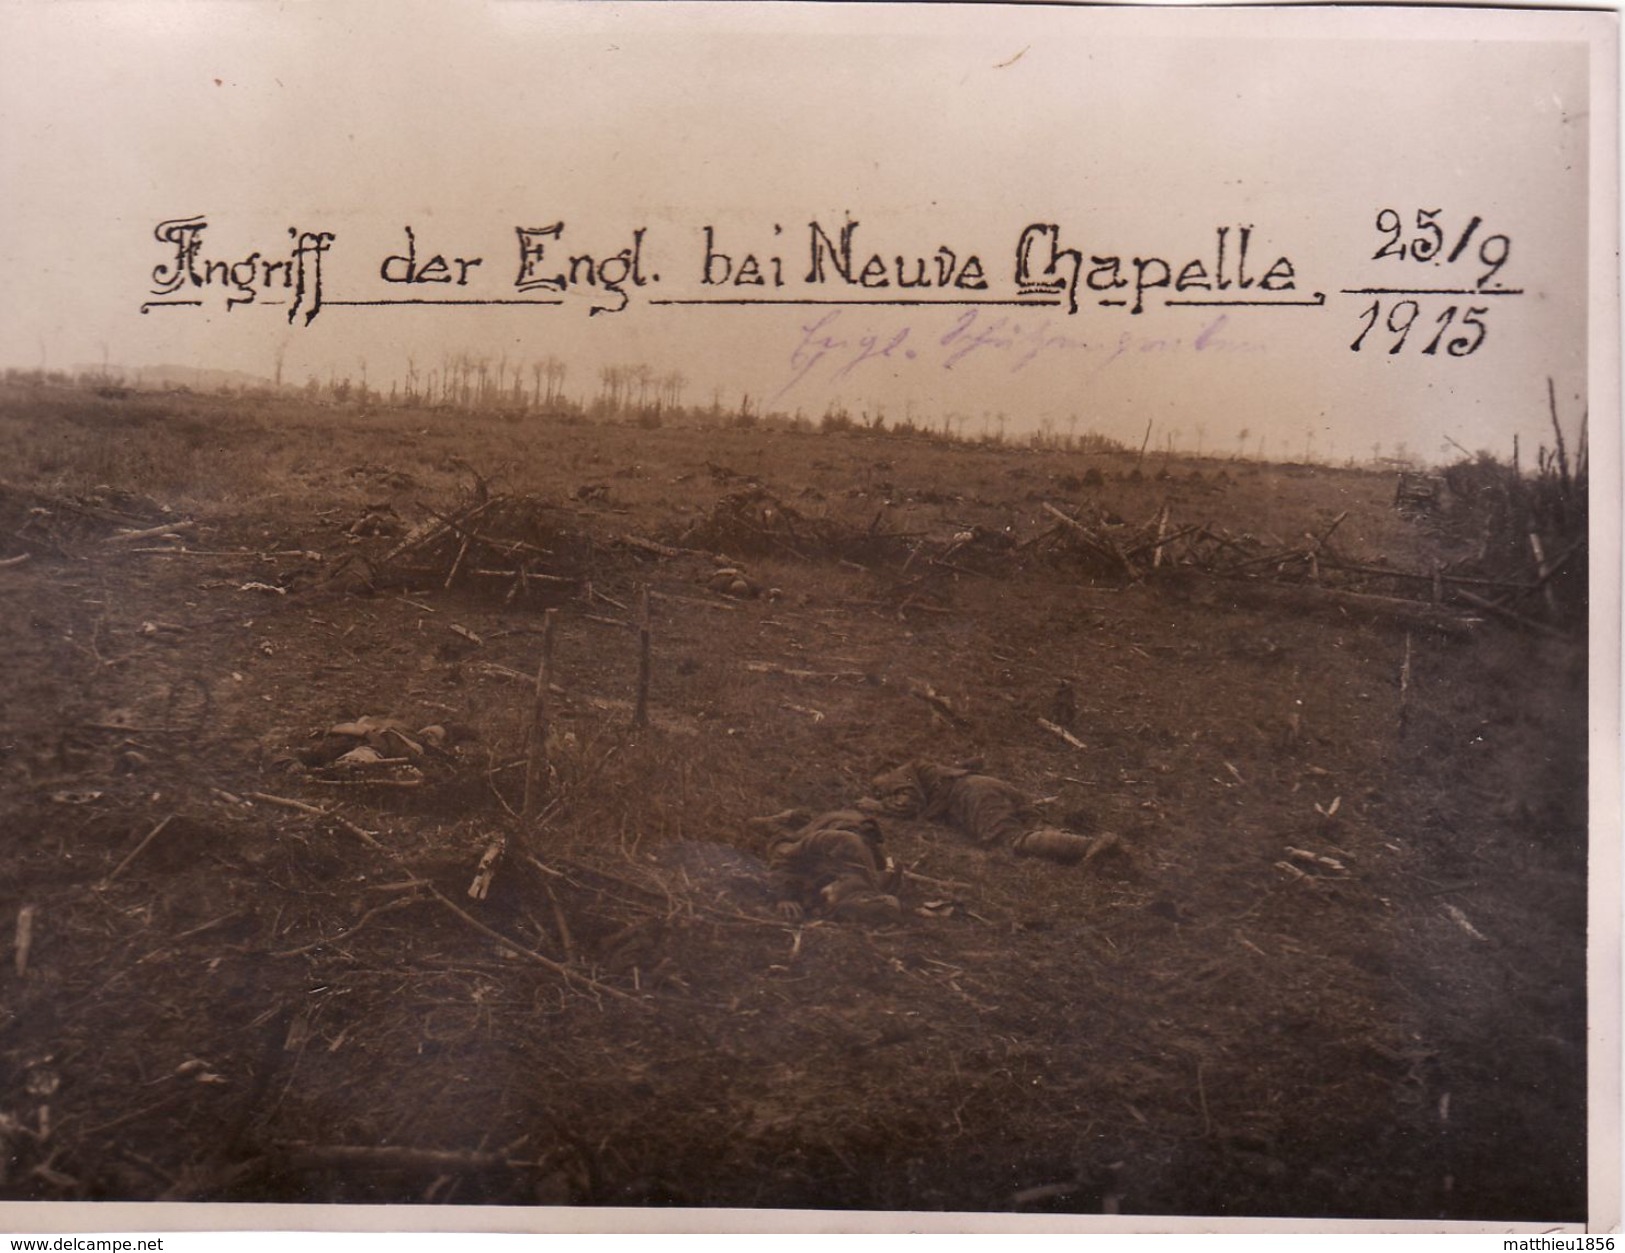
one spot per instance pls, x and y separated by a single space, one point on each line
1062 732
138 849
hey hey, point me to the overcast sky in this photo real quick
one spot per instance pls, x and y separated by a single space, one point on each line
1140 134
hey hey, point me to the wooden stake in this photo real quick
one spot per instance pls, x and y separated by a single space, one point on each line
1546 590
1557 427
456 565
25 937
1318 545
1405 684
1162 529
536 765
640 711
486 871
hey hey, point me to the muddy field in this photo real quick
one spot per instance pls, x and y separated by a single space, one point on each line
1338 972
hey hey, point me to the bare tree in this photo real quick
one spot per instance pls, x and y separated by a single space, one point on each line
465 371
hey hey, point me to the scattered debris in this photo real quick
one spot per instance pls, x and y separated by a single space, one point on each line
365 836
1417 493
1315 859
516 546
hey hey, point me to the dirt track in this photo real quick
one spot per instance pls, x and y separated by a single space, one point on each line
263 1001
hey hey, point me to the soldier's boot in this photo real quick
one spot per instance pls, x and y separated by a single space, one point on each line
871 908
1055 845
853 899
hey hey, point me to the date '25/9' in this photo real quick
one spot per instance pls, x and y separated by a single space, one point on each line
1428 243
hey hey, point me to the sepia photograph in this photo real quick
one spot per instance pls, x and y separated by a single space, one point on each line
791 614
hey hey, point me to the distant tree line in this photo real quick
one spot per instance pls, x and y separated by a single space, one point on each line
638 394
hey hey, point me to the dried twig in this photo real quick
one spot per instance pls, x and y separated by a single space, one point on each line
361 833
768 667
457 564
138 849
571 976
723 606
127 537
1056 729
400 902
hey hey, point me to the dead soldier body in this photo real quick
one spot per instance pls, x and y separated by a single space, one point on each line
992 812
830 866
